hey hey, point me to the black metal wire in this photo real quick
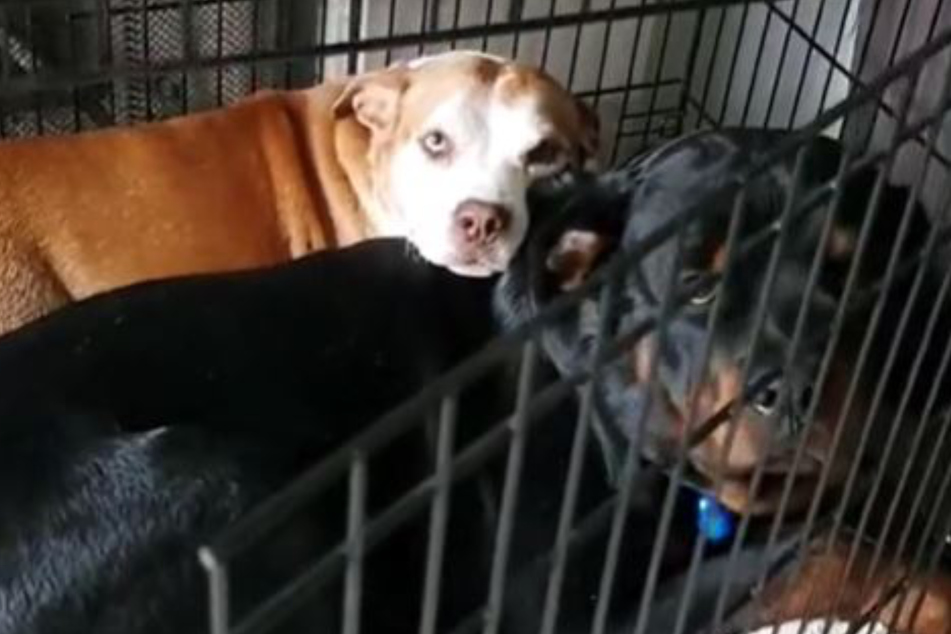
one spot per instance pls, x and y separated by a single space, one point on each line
573 63
391 24
794 109
873 209
255 42
757 64
456 18
734 60
321 60
626 93
808 293
356 512
546 36
486 23
218 592
510 492
602 60
658 70
71 26
866 348
515 15
759 321
439 516
435 492
700 104
607 307
53 80
353 38
423 15
771 543
692 56
31 41
188 46
813 39
854 79
632 462
913 297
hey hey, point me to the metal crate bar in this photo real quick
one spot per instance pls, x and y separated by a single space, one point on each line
30 84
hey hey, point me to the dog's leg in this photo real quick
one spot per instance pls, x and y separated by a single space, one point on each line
29 288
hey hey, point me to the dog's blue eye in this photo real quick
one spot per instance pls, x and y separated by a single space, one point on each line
436 144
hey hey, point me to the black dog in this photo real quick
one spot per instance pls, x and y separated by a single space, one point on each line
250 377
633 207
634 211
292 361
100 534
318 347
103 536
256 375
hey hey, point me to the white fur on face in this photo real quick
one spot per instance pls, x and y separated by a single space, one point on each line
489 139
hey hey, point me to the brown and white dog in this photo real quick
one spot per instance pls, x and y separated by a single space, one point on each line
440 150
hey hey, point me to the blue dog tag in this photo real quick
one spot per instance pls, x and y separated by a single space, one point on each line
714 521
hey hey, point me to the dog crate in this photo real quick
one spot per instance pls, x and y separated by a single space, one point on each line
872 73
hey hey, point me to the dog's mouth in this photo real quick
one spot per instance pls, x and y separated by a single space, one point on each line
483 262
760 483
466 265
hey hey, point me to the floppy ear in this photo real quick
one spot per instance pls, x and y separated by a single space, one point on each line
590 135
374 98
894 202
574 256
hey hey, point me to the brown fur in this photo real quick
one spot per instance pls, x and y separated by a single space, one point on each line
274 177
827 586
244 186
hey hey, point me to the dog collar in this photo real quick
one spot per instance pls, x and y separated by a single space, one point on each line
714 521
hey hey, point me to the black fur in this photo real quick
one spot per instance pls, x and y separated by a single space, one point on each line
637 202
633 205
257 374
101 534
315 347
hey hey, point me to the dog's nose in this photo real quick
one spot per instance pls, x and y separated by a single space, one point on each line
479 223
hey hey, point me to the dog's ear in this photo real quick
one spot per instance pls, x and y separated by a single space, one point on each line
590 140
374 98
894 203
574 256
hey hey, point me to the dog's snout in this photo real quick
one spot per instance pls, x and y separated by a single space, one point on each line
479 223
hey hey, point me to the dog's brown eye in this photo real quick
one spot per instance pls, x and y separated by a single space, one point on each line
700 287
546 152
436 144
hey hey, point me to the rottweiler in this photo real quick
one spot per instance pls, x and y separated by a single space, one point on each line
137 424
103 537
316 347
100 534
625 210
659 230
290 361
